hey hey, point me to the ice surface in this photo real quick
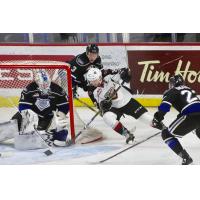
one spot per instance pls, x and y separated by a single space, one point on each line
151 152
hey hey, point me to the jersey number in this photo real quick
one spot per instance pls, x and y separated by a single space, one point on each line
189 98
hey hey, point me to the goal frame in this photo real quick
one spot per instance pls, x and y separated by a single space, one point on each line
69 84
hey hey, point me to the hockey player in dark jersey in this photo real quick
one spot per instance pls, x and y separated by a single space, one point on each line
80 66
82 63
43 104
186 102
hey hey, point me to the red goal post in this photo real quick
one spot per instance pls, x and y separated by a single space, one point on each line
13 76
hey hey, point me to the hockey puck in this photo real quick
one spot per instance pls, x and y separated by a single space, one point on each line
48 152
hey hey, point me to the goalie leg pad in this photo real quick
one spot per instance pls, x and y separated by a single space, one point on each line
60 137
31 140
8 130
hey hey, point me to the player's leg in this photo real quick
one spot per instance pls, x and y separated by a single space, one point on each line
58 128
8 130
177 129
111 118
139 112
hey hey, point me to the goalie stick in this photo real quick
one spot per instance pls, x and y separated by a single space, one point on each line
126 149
47 152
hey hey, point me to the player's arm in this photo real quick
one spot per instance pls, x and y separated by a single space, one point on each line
25 101
122 76
164 107
29 119
98 63
62 103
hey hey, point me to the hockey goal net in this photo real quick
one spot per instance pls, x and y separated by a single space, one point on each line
16 75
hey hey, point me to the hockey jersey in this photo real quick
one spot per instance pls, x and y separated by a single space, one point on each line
81 64
44 104
108 87
182 98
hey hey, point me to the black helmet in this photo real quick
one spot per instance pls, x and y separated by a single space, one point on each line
92 48
176 81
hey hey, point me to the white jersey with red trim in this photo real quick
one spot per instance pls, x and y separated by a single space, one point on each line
109 85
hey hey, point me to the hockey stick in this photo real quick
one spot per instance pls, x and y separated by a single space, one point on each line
86 104
48 152
70 142
130 147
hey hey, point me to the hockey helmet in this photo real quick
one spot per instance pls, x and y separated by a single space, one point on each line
175 81
43 81
93 74
92 48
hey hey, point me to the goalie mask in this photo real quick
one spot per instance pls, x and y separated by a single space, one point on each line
94 77
43 81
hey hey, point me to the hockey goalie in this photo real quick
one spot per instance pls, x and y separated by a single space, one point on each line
43 107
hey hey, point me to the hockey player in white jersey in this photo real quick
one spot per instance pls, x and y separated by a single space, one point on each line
114 103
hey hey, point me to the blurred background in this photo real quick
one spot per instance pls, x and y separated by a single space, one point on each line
71 38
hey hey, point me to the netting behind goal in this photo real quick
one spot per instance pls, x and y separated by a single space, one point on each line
16 75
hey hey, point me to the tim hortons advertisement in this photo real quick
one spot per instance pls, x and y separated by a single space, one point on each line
151 69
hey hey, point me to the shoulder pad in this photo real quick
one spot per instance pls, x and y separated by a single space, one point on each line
31 87
82 59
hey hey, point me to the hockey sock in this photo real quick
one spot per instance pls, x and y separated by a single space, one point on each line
175 145
119 128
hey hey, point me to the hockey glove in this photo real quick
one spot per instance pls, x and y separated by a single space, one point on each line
125 75
105 105
106 72
157 121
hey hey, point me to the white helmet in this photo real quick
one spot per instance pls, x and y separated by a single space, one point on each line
42 79
93 74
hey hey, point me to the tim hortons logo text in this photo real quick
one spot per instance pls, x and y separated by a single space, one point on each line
150 74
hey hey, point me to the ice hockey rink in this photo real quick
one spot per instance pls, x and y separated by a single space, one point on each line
152 152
